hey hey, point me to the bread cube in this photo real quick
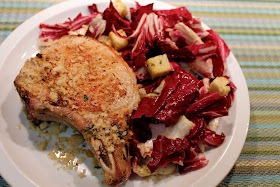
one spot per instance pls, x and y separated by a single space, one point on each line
219 84
117 42
120 7
105 39
143 93
80 32
158 66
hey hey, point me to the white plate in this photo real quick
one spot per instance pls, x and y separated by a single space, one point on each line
21 164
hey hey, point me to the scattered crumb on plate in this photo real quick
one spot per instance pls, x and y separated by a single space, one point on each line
68 149
82 174
19 126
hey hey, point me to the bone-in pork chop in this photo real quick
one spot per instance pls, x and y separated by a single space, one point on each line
81 82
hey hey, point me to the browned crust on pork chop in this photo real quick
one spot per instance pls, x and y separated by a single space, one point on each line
84 83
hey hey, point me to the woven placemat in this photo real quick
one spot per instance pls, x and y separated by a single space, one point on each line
252 30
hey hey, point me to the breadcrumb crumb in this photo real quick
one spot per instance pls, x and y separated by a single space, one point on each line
82 174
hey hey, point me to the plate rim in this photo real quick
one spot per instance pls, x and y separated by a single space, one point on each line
9 171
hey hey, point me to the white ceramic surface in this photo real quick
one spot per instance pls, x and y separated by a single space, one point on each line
22 164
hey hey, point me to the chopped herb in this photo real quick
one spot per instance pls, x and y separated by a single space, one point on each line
126 148
85 98
160 62
118 126
124 157
39 55
87 128
120 133
86 132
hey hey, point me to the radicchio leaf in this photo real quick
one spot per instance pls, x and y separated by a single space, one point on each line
222 52
212 105
54 32
136 14
197 162
167 150
173 16
179 91
210 138
196 26
112 17
93 9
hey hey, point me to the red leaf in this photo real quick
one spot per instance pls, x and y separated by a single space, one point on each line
112 17
222 52
137 13
152 85
93 9
167 150
174 16
210 138
179 91
206 101
197 162
54 32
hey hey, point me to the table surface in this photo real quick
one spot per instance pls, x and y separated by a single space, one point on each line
251 29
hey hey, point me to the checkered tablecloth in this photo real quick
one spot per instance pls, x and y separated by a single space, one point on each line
251 28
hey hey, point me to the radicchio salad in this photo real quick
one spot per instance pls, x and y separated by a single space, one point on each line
181 69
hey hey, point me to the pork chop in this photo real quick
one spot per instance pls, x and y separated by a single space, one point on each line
81 82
